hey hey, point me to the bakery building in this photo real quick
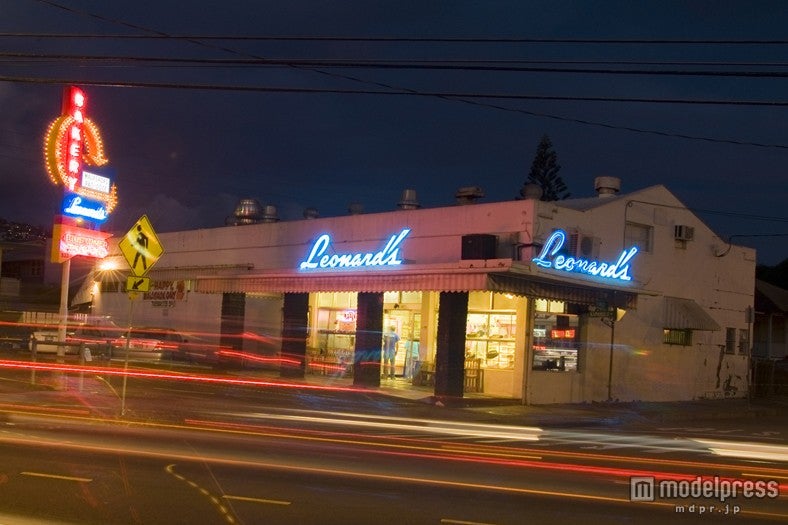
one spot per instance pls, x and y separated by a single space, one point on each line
612 297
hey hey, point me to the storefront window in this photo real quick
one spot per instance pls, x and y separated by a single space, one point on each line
490 332
336 326
555 338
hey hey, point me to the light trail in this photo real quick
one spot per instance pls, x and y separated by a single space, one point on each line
178 376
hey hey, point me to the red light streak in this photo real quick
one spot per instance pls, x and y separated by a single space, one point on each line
149 374
260 359
465 456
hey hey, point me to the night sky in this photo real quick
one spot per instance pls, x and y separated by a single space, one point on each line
290 133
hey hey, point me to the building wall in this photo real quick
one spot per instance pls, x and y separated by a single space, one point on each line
718 277
643 367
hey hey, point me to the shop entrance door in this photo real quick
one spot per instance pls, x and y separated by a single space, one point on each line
407 325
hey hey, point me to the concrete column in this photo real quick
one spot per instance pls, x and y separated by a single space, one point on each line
369 339
232 322
295 314
450 352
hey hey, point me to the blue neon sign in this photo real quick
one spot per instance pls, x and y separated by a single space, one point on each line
79 206
388 256
548 258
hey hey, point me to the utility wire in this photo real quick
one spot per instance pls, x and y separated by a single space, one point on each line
448 40
447 96
444 94
415 92
369 64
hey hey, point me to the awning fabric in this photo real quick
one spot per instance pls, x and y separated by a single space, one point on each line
561 291
686 314
373 282
455 280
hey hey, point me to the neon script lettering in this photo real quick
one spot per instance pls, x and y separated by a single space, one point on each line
81 207
388 256
548 258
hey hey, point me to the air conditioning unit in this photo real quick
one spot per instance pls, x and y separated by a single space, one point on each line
683 233
479 246
583 246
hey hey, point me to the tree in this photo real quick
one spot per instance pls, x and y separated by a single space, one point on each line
544 172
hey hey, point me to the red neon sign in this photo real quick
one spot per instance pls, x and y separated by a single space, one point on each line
76 108
69 241
569 333
72 142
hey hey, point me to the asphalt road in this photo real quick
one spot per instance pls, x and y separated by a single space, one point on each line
217 454
189 451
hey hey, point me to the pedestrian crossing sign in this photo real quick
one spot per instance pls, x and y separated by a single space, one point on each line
141 247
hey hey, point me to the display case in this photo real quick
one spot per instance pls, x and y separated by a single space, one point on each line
556 342
490 337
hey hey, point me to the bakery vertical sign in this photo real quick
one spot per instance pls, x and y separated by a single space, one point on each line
75 159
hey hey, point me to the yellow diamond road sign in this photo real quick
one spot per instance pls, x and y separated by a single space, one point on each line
141 247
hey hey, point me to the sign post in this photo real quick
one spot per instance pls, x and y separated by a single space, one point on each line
141 249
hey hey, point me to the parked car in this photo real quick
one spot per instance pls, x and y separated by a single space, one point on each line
165 344
97 337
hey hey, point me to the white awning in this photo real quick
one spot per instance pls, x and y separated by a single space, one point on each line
686 314
495 278
371 282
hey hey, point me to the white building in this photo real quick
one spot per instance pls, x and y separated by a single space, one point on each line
635 299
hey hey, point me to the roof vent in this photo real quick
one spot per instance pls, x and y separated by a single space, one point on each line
531 191
468 194
311 213
355 208
607 186
269 214
248 211
408 201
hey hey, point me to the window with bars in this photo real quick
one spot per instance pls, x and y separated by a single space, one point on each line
673 336
730 340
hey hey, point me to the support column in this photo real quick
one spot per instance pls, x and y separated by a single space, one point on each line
369 339
232 322
450 351
295 322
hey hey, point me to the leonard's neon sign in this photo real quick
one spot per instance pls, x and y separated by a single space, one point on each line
388 256
548 258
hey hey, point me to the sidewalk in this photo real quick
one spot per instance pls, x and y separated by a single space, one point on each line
88 395
512 411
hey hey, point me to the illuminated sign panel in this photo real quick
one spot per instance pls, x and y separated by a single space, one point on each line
69 241
568 333
72 143
388 256
549 258
78 206
94 181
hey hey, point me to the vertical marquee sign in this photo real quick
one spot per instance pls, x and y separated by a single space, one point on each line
74 158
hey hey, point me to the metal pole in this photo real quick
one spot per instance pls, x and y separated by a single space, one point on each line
33 351
126 361
610 364
63 321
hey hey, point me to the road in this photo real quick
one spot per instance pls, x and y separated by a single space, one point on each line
189 452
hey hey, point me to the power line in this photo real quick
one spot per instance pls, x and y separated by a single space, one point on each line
396 65
384 39
444 94
416 92
466 98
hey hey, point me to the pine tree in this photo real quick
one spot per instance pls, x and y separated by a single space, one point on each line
544 172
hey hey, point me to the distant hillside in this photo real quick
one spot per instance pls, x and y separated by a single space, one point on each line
21 232
776 275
